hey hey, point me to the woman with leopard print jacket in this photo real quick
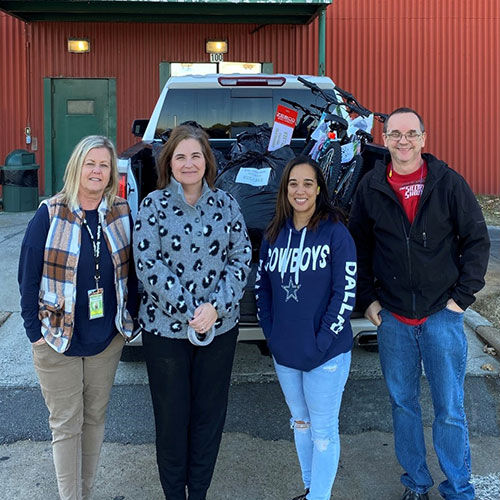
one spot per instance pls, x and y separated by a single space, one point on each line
192 255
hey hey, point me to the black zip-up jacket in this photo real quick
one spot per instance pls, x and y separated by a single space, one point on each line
413 269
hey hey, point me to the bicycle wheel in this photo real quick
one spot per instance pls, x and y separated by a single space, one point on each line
346 193
330 162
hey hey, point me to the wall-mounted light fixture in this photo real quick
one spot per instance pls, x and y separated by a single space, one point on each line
78 45
216 47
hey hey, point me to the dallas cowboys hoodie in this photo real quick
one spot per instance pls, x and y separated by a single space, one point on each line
306 288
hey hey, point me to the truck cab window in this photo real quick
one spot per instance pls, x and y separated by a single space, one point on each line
209 107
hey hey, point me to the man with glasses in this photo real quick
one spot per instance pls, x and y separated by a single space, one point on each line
423 250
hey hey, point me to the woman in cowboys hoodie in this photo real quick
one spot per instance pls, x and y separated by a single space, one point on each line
305 295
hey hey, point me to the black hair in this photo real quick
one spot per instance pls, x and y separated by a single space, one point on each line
324 208
405 110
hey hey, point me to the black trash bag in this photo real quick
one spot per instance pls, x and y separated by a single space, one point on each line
220 160
191 123
156 150
257 202
255 139
27 177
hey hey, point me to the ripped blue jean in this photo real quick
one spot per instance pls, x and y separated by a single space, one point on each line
314 398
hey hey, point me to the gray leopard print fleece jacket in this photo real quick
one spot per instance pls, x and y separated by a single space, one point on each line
187 255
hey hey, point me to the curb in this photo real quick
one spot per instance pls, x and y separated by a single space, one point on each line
483 329
473 319
4 316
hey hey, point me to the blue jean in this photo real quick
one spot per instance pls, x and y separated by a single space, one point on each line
441 345
314 399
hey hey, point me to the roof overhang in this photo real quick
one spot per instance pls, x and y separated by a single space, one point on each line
168 11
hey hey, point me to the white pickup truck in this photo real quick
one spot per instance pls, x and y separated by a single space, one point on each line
224 105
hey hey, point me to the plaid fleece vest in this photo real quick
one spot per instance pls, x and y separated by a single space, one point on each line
62 251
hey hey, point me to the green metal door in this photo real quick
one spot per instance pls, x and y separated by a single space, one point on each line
78 107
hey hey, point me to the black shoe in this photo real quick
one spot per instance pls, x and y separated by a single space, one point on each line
303 496
413 495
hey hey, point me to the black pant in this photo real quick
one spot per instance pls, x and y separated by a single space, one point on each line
189 388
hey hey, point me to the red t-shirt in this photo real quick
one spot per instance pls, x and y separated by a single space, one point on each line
408 189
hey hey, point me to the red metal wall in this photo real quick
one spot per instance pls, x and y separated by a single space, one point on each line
441 58
13 86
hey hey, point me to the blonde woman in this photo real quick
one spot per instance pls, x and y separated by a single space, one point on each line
74 283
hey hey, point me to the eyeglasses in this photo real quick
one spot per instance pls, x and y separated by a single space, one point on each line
396 135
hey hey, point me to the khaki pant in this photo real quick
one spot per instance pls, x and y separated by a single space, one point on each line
76 391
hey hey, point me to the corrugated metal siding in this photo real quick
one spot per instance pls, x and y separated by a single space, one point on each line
441 58
131 53
13 86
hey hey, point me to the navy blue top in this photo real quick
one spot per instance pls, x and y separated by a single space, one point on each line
90 337
305 294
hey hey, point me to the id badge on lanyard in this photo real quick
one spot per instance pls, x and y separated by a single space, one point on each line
96 303
96 296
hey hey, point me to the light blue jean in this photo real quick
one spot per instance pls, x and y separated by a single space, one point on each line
441 345
314 398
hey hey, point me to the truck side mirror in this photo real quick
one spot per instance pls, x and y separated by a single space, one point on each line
139 127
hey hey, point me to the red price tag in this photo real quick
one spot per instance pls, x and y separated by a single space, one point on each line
286 116
284 124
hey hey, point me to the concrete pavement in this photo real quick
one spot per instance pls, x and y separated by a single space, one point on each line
257 458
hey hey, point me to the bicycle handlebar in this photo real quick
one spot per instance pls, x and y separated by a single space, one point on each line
352 106
364 136
352 100
317 90
344 93
292 103
360 110
307 83
337 119
381 117
296 105
319 108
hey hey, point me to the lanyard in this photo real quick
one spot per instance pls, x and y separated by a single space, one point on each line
96 245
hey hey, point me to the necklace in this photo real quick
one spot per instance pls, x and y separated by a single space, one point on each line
421 171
